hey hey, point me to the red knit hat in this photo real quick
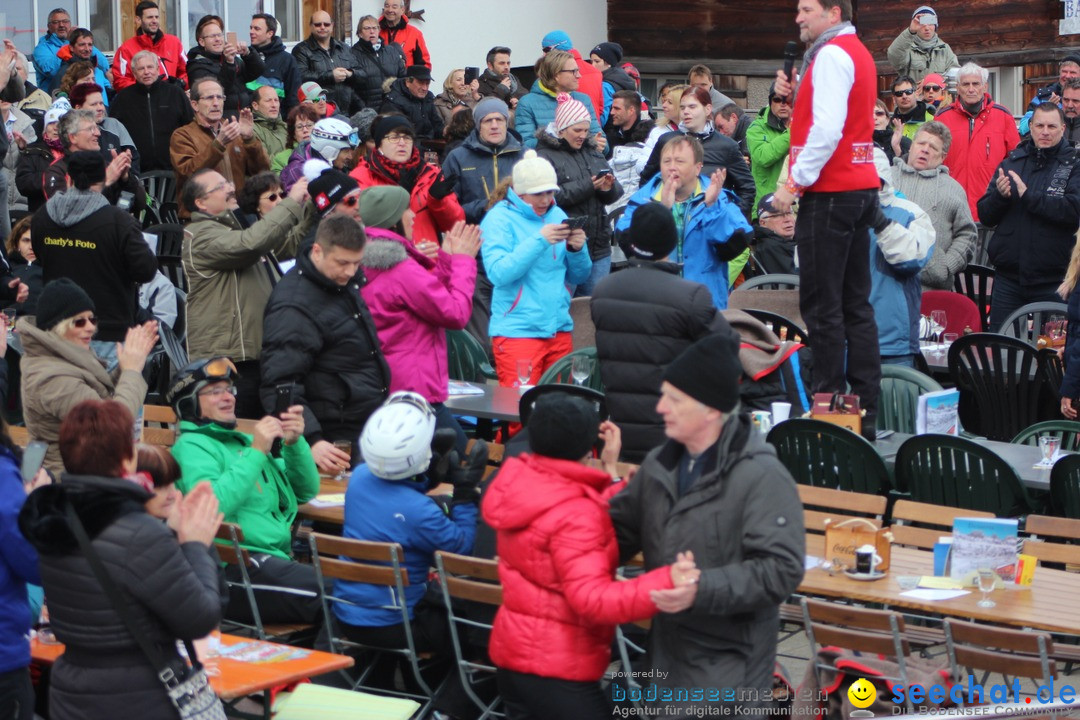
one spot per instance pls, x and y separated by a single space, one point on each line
570 112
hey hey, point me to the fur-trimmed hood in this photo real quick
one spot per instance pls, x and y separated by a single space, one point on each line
386 249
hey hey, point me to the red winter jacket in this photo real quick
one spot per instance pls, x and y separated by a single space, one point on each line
409 38
170 52
557 560
433 216
979 144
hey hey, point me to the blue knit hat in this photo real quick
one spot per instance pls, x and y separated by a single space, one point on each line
556 40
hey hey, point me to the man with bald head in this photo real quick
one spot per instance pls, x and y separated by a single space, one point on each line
329 62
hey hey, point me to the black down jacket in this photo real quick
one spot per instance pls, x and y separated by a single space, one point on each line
233 76
375 66
320 335
317 65
575 170
171 588
420 111
645 316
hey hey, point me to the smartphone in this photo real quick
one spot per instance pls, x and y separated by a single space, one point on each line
576 223
230 38
927 19
32 459
283 397
602 173
471 73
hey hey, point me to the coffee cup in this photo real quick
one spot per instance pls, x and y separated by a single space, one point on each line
866 559
781 411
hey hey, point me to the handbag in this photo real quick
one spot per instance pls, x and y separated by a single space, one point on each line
842 539
838 409
192 695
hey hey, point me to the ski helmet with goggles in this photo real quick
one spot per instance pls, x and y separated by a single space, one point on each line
396 441
186 385
332 135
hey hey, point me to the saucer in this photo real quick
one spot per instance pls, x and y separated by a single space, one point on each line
865 577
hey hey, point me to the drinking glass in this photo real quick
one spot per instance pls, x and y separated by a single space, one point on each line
344 446
950 338
1049 445
987 578
524 372
580 369
9 319
938 319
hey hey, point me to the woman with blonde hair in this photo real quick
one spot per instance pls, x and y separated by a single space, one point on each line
456 96
557 72
1070 384
670 95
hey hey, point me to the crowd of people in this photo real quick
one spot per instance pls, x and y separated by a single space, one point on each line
341 217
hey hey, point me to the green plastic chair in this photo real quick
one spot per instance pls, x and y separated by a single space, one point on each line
899 401
1068 431
560 371
825 455
957 472
1065 487
466 358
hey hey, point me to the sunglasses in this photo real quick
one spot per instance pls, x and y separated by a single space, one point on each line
901 93
315 24
781 101
933 88
880 113
81 322
350 201
272 197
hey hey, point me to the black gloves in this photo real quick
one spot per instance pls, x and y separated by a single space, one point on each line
466 477
880 222
442 187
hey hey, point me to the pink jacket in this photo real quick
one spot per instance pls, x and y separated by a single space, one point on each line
413 301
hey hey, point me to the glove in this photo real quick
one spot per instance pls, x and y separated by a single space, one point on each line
466 477
442 187
442 448
732 248
880 221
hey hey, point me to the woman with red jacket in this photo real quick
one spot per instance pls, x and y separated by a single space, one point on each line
557 557
397 161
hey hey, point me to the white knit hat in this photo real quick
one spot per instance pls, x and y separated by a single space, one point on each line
569 112
533 174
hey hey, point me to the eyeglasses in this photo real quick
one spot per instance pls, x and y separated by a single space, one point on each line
576 71
315 24
350 201
81 322
769 216
396 138
272 197
90 129
219 391
215 36
933 88
214 189
880 113
305 126
901 93
211 97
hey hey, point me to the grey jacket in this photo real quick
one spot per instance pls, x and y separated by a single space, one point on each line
743 520
906 55
945 201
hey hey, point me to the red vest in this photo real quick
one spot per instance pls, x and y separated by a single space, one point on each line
851 166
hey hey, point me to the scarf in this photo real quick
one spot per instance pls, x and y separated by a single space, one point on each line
54 144
704 135
927 46
820 43
404 174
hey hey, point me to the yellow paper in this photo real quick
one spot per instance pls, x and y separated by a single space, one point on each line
940 583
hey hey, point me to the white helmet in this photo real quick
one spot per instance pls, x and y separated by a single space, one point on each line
396 441
332 135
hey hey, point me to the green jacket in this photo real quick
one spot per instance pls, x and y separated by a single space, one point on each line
255 491
228 282
272 133
768 142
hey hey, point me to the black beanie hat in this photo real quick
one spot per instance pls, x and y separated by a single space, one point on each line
709 371
330 188
563 426
652 234
384 125
86 167
61 299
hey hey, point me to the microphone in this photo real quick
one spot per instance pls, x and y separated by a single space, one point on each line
790 50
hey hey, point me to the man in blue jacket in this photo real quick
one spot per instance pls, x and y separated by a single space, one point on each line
46 62
711 228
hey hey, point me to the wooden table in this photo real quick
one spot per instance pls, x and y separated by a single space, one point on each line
236 679
336 515
1022 458
1048 604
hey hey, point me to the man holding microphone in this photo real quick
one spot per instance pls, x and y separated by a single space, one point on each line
832 171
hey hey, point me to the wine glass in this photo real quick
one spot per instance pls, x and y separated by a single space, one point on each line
937 317
524 372
987 579
580 369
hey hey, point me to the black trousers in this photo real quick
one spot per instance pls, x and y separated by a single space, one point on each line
532 697
832 234
16 695
1010 295
275 607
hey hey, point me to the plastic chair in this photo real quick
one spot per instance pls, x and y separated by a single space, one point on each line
899 400
824 455
977 283
957 472
560 371
1027 321
529 398
471 580
169 248
1067 431
1065 487
960 311
161 186
775 281
466 358
1000 381
782 327
376 563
